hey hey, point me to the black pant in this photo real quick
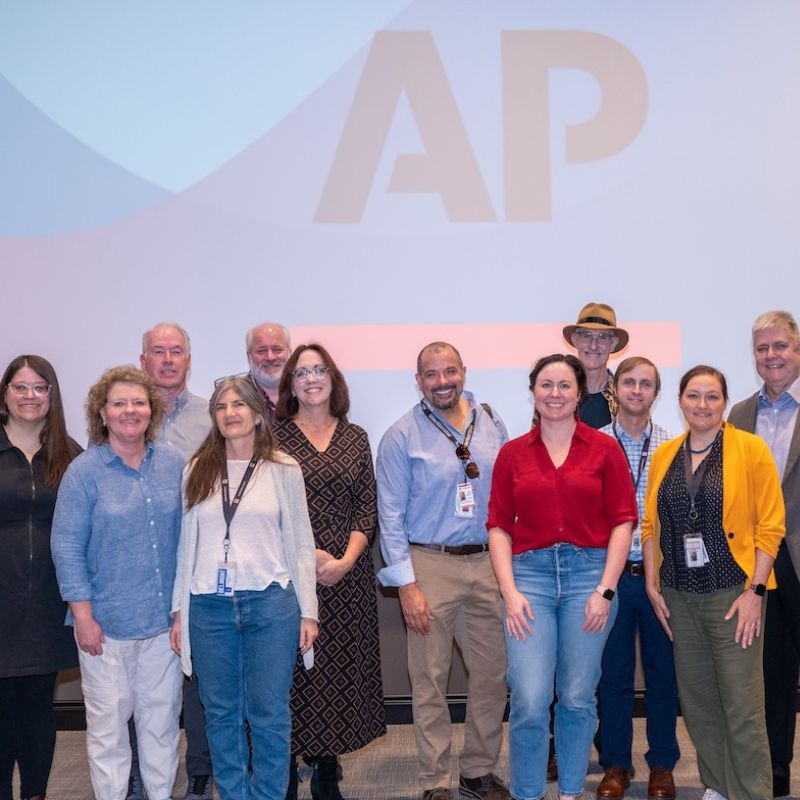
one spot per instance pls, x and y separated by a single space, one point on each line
27 732
781 663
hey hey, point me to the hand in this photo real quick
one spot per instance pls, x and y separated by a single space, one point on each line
595 613
416 611
748 606
323 556
89 636
660 608
330 572
309 629
175 633
518 612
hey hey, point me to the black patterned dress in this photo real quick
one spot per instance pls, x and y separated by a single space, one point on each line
337 706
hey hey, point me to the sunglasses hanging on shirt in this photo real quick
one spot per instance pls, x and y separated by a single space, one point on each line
471 469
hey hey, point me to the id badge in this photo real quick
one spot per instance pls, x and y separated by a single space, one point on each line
694 550
465 500
636 541
226 579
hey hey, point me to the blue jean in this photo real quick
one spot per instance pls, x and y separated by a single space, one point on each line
243 650
635 612
557 581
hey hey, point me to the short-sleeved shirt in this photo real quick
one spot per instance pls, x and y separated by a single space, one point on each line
579 503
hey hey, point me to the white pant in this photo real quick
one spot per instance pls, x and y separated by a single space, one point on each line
139 677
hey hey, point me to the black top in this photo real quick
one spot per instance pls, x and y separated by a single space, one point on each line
722 571
594 410
33 638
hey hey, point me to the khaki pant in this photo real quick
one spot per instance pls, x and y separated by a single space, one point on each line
465 601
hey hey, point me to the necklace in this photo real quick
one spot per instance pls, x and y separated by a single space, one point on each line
703 450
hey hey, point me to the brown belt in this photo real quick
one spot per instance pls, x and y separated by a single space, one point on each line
460 550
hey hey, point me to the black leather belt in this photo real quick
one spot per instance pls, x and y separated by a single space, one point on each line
460 550
634 567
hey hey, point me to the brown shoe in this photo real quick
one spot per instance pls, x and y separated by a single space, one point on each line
552 768
661 784
614 783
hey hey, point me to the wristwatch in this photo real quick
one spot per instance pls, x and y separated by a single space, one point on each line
759 588
605 592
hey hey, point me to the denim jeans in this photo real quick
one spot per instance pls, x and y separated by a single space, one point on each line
635 613
244 649
557 581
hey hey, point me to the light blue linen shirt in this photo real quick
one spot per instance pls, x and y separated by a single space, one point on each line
775 421
115 538
417 472
187 426
633 452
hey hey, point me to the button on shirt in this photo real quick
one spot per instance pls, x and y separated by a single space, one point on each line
115 538
418 471
633 451
775 422
579 503
187 426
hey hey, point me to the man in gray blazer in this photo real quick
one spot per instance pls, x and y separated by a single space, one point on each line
772 413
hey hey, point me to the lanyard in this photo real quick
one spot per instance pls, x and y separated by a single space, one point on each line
694 479
642 455
228 507
458 445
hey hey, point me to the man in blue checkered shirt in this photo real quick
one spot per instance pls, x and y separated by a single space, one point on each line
637 384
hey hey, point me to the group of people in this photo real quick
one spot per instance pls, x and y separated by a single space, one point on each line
233 538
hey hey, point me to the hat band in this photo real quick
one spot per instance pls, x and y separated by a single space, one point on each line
598 320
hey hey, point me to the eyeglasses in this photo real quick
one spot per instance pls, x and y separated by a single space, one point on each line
604 339
470 468
22 389
318 372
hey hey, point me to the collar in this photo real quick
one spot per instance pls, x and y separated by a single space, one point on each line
792 394
646 433
468 396
582 432
108 455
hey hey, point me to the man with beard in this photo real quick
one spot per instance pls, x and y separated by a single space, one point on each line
434 471
268 347
772 413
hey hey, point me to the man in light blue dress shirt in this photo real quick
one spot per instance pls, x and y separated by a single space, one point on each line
772 413
434 471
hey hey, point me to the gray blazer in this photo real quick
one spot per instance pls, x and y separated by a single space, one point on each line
743 415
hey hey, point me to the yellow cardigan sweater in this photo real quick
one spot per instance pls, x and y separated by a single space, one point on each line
753 515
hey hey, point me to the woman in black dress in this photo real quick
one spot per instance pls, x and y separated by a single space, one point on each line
34 643
337 706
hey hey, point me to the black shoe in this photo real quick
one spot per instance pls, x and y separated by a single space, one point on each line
199 788
325 778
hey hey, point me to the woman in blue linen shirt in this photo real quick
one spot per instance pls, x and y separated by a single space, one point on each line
114 541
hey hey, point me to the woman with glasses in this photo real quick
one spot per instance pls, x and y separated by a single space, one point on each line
561 512
115 535
244 598
335 456
713 522
34 643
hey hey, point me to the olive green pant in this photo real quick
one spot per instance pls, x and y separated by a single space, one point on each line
721 690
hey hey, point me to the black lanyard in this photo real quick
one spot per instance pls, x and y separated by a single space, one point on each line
694 479
228 507
467 434
642 455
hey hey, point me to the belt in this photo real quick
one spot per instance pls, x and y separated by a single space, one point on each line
460 550
634 567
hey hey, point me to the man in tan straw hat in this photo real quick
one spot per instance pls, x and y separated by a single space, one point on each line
596 336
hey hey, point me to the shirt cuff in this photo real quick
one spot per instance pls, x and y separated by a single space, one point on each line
398 574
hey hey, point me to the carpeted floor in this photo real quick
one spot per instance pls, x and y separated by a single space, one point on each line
385 770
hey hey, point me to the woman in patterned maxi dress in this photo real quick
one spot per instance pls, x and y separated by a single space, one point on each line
337 705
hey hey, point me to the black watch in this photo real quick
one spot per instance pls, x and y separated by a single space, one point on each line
759 588
605 592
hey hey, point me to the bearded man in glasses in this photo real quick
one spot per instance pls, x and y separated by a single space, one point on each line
434 471
596 336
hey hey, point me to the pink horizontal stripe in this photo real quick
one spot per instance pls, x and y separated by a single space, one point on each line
482 346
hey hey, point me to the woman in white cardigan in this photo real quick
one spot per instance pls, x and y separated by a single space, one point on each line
245 592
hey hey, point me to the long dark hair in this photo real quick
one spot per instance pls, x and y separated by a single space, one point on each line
287 405
208 462
58 448
559 358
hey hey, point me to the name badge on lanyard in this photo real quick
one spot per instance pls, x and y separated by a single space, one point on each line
465 500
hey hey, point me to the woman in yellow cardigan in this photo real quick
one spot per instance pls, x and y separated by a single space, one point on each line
714 518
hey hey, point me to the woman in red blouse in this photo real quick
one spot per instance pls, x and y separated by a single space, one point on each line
560 518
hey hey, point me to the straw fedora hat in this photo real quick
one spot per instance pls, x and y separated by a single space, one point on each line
598 317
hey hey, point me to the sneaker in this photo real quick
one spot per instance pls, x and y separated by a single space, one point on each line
199 788
711 794
135 786
437 794
487 787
